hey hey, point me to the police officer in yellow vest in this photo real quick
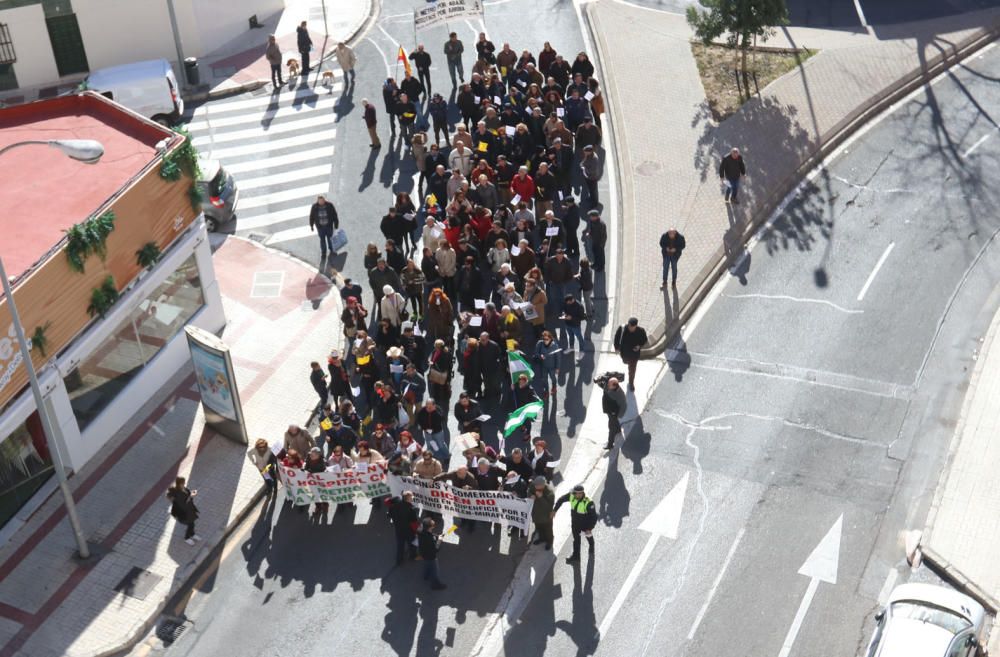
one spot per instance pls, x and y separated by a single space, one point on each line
583 519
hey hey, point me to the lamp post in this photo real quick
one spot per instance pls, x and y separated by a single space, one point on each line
88 151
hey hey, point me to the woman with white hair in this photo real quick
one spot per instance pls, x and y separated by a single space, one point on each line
393 306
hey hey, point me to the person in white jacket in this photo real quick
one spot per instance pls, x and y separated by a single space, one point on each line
392 305
460 158
347 59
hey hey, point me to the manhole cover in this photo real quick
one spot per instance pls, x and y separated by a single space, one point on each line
138 583
648 168
170 630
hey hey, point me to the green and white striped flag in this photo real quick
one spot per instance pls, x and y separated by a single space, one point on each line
518 364
529 411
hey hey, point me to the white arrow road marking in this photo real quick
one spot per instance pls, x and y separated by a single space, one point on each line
665 521
820 566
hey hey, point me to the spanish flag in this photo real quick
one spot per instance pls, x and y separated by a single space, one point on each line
401 58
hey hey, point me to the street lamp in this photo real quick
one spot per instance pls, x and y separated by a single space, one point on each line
88 151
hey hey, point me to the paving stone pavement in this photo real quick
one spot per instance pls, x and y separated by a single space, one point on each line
963 526
669 146
50 605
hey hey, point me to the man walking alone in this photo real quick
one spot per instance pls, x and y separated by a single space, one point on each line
305 45
614 404
731 170
453 50
629 340
583 519
371 121
671 246
323 219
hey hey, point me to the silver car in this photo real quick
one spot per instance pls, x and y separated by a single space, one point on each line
923 620
219 194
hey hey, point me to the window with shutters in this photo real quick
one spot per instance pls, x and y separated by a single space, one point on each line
67 44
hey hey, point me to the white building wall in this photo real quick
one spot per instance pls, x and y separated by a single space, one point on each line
219 22
122 31
35 62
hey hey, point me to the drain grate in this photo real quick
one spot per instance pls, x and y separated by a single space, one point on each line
258 237
169 630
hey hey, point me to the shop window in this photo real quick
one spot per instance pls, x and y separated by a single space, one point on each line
105 372
24 466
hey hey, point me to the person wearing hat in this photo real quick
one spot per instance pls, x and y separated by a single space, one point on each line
396 364
583 519
405 522
571 224
595 237
392 306
542 510
340 435
588 134
590 166
629 340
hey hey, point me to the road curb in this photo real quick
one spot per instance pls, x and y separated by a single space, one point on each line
662 335
214 94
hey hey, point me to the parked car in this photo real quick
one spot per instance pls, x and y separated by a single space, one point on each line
148 88
219 193
923 620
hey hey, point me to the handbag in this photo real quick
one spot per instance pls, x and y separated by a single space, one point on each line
437 376
402 416
339 240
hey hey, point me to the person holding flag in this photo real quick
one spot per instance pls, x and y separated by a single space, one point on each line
527 406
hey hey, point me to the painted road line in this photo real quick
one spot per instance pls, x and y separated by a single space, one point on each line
263 219
878 265
821 566
664 521
785 297
324 104
715 584
388 68
980 142
861 13
260 149
288 195
258 132
262 101
249 187
319 154
290 234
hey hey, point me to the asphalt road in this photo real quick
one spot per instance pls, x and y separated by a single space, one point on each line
804 426
849 14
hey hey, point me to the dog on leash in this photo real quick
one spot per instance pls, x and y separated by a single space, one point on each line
293 67
327 79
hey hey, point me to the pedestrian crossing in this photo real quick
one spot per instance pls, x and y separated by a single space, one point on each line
279 149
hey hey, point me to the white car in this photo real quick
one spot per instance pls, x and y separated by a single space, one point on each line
923 620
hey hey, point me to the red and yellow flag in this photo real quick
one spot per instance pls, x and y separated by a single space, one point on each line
401 58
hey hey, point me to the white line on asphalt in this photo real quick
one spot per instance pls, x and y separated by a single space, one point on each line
389 36
287 195
362 512
290 234
264 219
715 584
254 133
319 154
261 148
982 140
890 582
482 27
253 118
861 13
250 187
284 102
878 265
388 69
785 297
475 33
609 618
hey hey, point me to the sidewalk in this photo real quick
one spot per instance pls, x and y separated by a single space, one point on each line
962 536
669 147
51 605
240 65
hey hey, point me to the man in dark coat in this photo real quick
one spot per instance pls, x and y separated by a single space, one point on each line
671 246
731 170
305 45
429 544
422 60
583 519
571 222
491 364
614 404
405 522
596 233
629 340
317 377
323 219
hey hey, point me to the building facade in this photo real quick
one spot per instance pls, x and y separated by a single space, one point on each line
95 370
43 42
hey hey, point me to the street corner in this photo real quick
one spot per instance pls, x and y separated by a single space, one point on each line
274 284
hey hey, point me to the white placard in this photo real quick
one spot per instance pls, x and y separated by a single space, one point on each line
514 201
589 95
478 99
515 250
496 100
480 304
475 320
560 111
510 130
551 231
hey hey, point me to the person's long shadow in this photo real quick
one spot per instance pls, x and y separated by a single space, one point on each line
258 545
270 111
582 629
389 164
573 405
615 499
344 104
637 440
678 358
368 173
672 307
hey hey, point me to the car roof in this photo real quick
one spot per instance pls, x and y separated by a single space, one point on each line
127 72
909 638
943 597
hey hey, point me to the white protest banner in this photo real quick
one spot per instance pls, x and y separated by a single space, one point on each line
443 11
485 505
334 487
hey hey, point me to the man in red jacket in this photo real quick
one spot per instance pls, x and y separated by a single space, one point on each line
524 186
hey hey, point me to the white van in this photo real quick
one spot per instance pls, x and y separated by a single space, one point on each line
148 88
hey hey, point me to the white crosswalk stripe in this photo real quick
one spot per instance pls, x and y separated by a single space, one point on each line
278 148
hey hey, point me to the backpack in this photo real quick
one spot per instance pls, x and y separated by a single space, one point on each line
618 338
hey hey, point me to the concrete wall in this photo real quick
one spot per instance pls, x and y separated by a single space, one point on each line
121 31
219 21
35 62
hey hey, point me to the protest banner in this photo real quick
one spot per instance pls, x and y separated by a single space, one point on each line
334 487
443 11
485 505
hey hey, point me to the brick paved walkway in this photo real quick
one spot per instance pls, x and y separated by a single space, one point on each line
669 148
51 606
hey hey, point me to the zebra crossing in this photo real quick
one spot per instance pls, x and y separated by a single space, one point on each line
279 150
